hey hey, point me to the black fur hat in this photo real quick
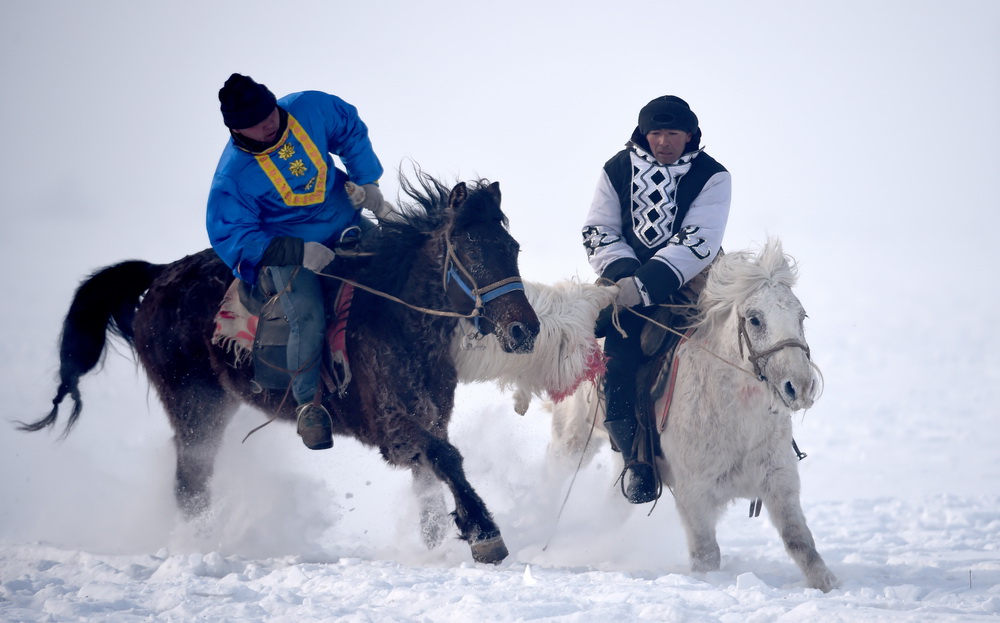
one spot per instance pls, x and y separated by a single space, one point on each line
667 113
244 102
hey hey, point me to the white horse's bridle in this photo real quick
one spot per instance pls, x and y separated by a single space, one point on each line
755 356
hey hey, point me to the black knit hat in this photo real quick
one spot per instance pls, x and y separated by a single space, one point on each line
245 103
667 113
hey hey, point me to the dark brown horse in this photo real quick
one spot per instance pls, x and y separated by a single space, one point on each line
401 396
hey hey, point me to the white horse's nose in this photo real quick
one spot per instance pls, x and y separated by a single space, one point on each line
797 393
790 392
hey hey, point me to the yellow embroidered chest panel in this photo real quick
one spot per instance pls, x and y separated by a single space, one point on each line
295 167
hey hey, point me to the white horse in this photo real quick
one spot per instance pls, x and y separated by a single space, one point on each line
739 377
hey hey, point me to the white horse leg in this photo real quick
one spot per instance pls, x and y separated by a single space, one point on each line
699 515
575 438
433 510
785 510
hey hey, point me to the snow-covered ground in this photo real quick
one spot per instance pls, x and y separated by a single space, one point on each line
863 134
89 532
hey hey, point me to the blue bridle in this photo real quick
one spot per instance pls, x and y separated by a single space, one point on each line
481 296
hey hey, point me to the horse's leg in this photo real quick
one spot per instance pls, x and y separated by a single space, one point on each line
575 438
430 498
781 499
199 415
699 514
173 330
474 521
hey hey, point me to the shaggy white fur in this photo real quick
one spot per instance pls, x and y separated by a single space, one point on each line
565 354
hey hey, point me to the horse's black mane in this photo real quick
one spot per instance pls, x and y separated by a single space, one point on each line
387 251
427 208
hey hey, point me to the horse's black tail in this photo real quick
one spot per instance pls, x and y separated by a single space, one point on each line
105 302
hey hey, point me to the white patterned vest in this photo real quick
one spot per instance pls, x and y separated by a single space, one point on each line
655 197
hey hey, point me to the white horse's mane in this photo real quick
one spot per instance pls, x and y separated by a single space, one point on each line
566 351
735 276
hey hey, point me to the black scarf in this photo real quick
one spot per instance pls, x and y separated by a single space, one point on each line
256 147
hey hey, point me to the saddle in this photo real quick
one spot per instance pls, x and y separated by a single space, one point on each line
251 324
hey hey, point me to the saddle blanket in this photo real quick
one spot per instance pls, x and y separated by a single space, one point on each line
236 331
668 394
235 326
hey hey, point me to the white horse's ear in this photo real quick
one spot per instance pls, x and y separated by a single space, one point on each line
457 197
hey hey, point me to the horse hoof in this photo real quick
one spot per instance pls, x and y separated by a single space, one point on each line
823 580
490 551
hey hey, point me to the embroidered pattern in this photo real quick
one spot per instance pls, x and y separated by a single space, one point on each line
654 196
287 151
689 239
596 237
316 192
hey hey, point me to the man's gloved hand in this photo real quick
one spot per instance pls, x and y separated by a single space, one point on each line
316 256
373 201
628 292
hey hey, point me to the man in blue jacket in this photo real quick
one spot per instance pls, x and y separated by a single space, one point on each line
278 204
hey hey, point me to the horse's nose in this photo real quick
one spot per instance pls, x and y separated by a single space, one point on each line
790 391
797 395
522 338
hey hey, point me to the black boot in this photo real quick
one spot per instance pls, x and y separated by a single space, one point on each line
641 485
314 426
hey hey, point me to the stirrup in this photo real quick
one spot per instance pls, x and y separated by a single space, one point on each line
642 485
350 237
314 426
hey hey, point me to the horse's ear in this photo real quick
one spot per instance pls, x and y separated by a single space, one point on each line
458 196
494 189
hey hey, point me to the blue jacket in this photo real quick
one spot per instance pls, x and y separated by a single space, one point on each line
293 188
